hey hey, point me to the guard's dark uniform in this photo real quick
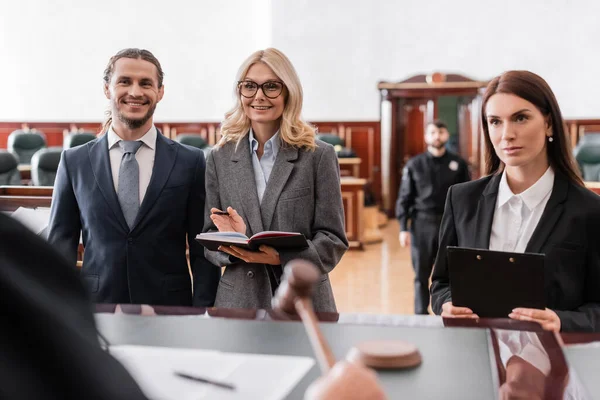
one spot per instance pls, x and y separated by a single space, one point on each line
425 183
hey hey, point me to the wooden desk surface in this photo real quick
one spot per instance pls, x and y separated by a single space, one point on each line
349 160
351 181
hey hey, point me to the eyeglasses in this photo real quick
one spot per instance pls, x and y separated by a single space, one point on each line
271 89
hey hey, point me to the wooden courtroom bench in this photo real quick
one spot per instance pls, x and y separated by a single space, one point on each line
13 197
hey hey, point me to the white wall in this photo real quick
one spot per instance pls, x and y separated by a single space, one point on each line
52 53
345 48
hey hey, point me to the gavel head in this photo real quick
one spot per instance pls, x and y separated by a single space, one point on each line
298 280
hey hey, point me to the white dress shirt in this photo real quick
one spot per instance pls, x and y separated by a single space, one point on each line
526 345
517 215
144 157
264 166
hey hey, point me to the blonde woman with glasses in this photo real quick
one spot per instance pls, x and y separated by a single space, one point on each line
269 173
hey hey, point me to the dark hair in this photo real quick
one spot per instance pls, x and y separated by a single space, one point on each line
129 53
439 124
535 90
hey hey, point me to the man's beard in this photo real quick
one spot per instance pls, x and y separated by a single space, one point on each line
136 123
438 145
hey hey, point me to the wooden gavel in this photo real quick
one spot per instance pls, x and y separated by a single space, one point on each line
294 296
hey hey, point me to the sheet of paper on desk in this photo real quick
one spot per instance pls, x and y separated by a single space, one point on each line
255 376
35 219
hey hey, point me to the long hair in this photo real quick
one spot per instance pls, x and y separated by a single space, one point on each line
535 90
293 130
128 53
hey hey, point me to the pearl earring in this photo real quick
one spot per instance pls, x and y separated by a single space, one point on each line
550 139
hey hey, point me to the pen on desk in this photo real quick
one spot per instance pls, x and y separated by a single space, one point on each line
205 380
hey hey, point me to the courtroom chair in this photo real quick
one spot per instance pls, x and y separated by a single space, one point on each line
338 144
75 139
587 154
194 140
9 172
44 165
24 144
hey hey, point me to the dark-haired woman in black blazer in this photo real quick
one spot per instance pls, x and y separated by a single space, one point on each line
533 200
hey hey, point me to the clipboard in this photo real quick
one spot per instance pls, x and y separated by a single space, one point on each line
493 283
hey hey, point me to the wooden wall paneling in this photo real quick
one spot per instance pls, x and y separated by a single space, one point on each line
407 140
471 140
54 131
414 113
208 130
92 127
396 146
477 143
5 129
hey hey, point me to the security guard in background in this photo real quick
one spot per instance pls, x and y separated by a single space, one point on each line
426 179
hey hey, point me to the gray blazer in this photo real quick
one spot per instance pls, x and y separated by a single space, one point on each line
302 195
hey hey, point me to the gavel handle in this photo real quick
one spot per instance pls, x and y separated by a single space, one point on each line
317 340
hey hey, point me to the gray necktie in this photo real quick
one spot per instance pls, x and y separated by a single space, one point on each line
128 190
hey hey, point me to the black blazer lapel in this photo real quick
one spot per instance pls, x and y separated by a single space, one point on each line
279 175
164 160
245 186
551 214
100 161
485 213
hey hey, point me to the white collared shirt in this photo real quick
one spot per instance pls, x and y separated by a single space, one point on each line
517 215
144 157
526 345
264 166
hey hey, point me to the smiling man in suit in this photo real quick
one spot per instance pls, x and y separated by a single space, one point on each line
134 197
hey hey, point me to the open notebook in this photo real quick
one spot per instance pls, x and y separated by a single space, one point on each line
276 239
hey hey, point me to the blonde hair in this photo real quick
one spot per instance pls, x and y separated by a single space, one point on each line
293 130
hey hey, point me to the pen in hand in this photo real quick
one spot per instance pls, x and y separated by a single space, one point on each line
223 385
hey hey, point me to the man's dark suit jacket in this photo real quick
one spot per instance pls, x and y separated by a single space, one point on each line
568 233
50 348
148 264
